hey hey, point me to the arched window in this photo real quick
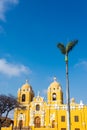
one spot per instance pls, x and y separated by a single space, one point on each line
54 96
23 97
37 107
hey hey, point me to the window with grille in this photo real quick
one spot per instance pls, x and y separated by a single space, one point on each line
62 118
63 128
37 107
76 118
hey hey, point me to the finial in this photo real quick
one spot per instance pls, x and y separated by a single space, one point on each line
54 78
26 81
81 102
38 94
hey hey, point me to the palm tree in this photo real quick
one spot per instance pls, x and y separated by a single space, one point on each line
65 51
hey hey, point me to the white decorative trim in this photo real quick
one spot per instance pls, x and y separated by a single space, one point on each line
72 107
52 117
64 107
21 117
81 102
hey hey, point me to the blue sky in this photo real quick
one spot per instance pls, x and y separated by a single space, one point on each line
29 33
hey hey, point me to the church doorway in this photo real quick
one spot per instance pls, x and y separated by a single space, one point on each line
53 124
37 122
20 124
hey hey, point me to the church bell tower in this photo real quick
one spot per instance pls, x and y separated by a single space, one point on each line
25 94
55 94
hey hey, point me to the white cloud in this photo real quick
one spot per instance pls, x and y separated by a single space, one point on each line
10 69
5 5
82 64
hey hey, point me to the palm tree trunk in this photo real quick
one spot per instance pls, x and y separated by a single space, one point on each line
67 94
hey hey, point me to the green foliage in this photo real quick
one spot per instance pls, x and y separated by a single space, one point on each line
66 49
71 45
62 48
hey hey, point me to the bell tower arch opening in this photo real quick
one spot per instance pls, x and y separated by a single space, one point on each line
23 97
54 96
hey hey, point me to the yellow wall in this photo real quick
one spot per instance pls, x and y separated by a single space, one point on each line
50 111
6 128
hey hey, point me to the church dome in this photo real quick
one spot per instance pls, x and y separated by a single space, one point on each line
55 84
26 86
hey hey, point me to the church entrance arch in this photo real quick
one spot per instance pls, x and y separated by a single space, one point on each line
37 122
53 124
20 124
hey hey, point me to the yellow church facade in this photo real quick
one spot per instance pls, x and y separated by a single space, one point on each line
38 114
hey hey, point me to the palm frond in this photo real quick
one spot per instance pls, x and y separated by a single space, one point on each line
62 48
71 45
